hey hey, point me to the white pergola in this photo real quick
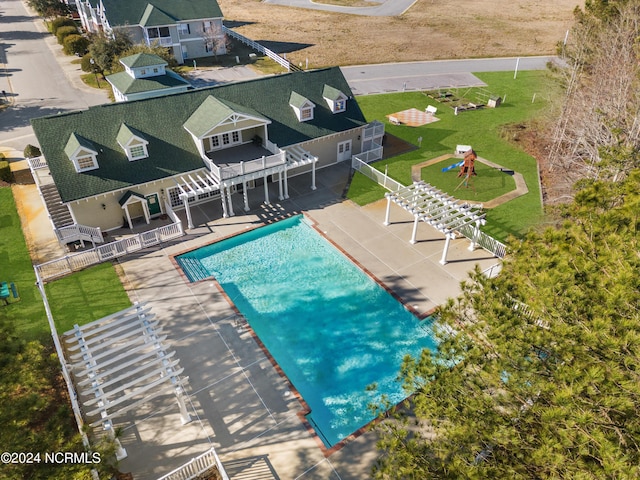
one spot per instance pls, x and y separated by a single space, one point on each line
225 179
120 362
434 207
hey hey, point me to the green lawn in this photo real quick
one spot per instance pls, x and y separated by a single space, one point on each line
480 129
78 298
487 184
34 413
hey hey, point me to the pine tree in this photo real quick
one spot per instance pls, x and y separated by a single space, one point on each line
537 373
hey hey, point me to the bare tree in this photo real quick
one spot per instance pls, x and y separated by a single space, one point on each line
215 40
597 134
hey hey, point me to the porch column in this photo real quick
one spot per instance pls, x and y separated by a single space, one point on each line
280 196
476 233
286 184
223 198
415 230
145 210
313 174
388 213
185 201
443 260
266 185
229 199
184 414
245 196
126 210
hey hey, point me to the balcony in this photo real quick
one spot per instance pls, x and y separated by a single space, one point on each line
245 162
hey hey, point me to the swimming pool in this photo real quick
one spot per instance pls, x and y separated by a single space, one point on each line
331 328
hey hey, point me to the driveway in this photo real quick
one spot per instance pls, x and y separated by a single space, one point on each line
37 77
378 8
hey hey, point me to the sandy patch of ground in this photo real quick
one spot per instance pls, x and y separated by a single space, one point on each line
429 30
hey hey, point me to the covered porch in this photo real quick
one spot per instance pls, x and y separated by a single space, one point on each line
241 169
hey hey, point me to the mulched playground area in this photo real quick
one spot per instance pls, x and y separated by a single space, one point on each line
412 117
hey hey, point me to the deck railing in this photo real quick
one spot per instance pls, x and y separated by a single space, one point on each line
196 466
109 251
243 168
37 163
74 233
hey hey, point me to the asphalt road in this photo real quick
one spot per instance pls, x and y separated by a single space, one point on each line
34 79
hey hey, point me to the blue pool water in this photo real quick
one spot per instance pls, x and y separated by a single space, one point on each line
331 328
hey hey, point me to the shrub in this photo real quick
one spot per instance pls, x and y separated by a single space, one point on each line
61 22
63 32
5 171
31 151
85 63
75 45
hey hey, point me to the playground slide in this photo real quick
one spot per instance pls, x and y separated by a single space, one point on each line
450 167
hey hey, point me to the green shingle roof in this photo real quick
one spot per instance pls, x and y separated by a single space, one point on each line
128 194
171 148
128 85
213 111
143 60
131 12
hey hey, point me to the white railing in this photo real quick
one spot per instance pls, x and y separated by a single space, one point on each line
37 163
197 466
485 241
243 168
74 233
78 261
373 130
493 270
371 155
260 48
73 396
377 176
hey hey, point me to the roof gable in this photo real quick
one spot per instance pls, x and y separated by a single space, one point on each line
298 101
333 94
76 144
212 112
128 136
154 16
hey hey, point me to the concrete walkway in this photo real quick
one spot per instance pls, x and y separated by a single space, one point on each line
240 404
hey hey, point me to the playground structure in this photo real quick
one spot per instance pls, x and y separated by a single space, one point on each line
467 169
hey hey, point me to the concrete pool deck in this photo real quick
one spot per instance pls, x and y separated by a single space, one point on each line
238 402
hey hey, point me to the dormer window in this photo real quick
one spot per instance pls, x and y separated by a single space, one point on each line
336 100
303 107
86 162
132 142
82 153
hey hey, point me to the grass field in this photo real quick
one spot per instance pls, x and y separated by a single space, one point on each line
427 31
487 184
479 128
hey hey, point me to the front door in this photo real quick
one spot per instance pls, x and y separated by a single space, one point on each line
153 204
344 151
